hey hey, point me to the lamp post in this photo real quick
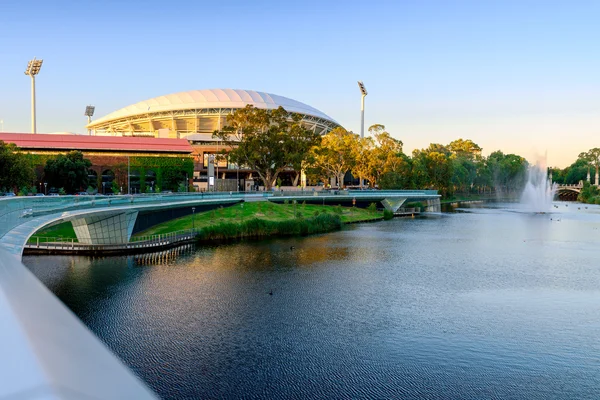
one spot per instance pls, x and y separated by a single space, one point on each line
89 111
193 219
128 177
363 92
33 68
103 187
152 182
45 188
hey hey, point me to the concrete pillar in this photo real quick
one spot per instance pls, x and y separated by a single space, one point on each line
393 204
433 206
106 228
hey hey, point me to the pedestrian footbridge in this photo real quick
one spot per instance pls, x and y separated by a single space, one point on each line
111 220
46 351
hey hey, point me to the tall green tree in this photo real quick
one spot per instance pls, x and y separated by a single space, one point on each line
15 171
267 141
593 157
335 155
68 171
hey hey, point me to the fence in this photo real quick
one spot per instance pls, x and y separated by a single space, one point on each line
137 242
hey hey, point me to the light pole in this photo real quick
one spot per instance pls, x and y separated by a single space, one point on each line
128 179
103 187
33 68
193 218
45 188
89 111
363 92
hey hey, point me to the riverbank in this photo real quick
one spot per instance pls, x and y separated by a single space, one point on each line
237 214
241 213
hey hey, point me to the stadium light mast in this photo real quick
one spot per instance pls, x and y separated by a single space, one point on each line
33 68
363 91
89 111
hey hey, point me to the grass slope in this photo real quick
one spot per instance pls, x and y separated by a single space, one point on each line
239 213
259 210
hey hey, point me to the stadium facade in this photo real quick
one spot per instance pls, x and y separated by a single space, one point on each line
198 113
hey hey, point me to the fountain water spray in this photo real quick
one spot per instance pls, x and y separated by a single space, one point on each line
539 190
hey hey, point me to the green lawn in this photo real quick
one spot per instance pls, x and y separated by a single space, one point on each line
262 210
63 230
239 212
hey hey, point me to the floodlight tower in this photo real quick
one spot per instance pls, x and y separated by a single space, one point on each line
33 68
363 91
89 111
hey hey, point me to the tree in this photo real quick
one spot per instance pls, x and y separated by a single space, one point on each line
267 141
592 156
432 167
465 149
15 171
69 171
335 155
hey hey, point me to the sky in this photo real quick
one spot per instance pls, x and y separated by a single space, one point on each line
520 76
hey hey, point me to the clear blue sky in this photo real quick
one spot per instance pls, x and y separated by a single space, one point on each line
520 76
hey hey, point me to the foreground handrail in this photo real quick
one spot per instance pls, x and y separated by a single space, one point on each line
47 352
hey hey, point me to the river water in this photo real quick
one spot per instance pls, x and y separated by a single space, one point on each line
483 302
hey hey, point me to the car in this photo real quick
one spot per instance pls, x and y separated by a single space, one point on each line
39 195
9 194
82 194
53 194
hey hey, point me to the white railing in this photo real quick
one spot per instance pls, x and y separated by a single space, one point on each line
47 351
136 242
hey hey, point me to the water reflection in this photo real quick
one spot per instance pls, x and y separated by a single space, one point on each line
490 302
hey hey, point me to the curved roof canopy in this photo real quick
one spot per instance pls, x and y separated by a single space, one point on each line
212 98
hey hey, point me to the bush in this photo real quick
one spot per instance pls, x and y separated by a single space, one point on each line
257 228
372 207
286 202
387 214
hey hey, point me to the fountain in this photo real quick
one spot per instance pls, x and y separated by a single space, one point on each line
539 191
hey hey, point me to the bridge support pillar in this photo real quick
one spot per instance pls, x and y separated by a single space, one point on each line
433 206
393 204
105 228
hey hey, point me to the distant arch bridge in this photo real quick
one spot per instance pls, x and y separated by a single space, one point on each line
568 192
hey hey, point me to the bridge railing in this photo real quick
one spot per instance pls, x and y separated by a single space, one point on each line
157 240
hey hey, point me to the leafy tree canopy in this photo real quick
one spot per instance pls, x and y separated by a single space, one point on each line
15 171
267 141
69 171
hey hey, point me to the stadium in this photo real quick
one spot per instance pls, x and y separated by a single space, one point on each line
195 114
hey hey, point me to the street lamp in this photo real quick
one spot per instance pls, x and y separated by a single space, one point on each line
45 187
33 68
89 111
363 91
193 218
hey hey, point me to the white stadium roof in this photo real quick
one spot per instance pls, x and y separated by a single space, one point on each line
213 98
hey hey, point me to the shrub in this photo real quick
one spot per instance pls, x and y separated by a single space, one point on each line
372 207
387 214
261 228
286 202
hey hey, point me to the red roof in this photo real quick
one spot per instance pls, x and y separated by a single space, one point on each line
40 141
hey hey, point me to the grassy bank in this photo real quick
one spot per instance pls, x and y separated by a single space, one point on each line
264 211
238 214
259 228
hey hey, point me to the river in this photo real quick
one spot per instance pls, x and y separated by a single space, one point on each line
483 302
